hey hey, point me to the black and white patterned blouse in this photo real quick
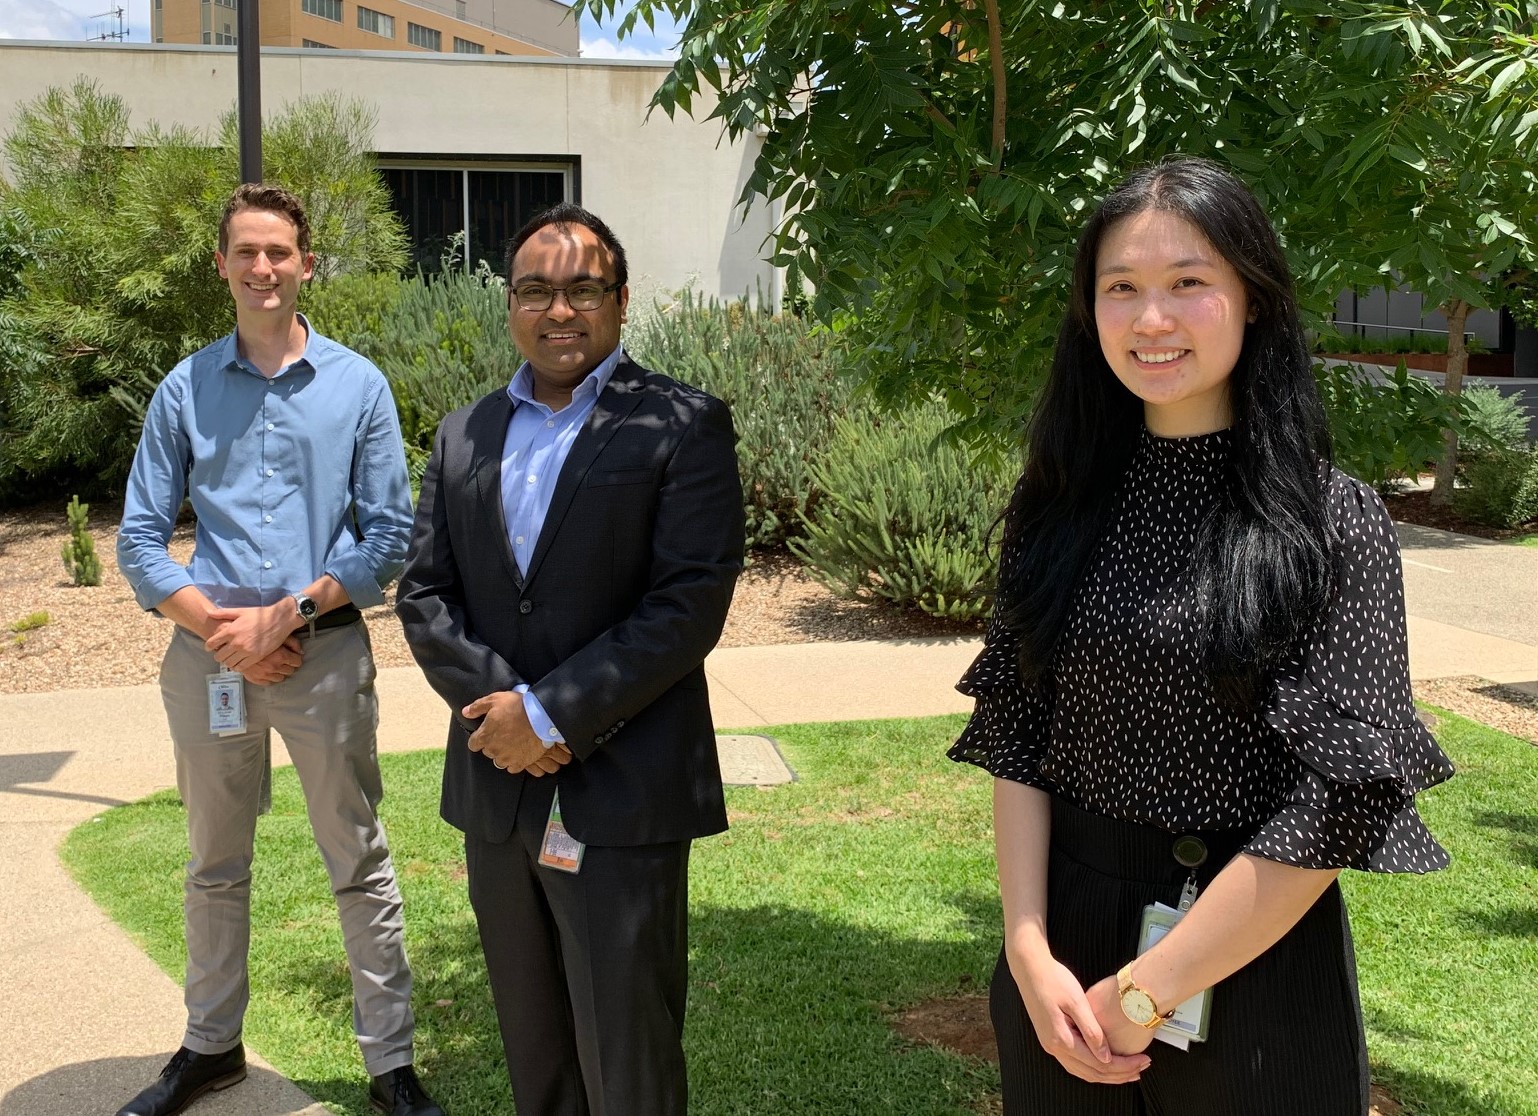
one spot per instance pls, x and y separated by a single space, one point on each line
1126 726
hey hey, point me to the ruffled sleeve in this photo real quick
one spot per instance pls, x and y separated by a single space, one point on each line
1011 722
1344 714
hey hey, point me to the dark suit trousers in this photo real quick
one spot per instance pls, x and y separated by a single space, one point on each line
589 972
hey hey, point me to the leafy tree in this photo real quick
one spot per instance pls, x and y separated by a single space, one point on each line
932 162
112 233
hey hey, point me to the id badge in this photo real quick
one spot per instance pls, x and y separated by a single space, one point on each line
559 849
226 704
1189 1023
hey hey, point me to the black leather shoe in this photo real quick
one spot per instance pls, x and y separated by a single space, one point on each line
399 1093
187 1076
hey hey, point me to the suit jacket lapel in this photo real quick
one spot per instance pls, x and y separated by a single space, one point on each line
488 434
615 402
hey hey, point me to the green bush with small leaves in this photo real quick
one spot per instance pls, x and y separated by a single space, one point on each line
783 382
351 306
1501 487
442 344
906 515
1493 421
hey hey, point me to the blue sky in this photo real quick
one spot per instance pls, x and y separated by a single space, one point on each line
74 20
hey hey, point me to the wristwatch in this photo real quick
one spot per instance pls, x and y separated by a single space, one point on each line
1136 1004
308 610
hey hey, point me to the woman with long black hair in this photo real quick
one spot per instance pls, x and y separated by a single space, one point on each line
1193 695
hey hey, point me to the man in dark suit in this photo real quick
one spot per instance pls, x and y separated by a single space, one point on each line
573 557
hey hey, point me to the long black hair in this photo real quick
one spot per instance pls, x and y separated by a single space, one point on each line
1264 560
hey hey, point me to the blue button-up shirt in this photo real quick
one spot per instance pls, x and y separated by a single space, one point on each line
291 476
537 444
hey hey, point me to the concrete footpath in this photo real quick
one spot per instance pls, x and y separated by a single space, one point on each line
86 1019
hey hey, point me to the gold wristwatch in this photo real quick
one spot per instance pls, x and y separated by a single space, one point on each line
1136 1004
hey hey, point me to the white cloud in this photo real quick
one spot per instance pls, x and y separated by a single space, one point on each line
69 20
608 48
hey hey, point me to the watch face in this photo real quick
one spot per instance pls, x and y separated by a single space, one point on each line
307 608
1138 1006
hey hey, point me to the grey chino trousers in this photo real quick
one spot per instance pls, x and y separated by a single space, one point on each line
327 714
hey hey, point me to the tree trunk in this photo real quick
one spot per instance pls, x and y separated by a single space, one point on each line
1457 312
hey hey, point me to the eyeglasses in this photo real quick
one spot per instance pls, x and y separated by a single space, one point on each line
579 296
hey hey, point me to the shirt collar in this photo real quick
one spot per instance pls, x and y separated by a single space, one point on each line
230 353
521 389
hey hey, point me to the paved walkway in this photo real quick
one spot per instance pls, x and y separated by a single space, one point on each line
85 1017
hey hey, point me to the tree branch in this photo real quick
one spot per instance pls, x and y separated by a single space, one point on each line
1000 92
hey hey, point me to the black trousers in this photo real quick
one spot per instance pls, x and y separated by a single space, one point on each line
589 972
1286 1034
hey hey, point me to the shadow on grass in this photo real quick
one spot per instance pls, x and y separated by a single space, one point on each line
1521 830
788 1012
1425 1094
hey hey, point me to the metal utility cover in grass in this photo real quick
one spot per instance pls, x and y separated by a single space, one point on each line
752 761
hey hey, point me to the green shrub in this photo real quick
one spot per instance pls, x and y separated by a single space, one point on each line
905 516
79 553
1501 487
442 344
1385 431
1493 421
351 306
783 383
1329 341
105 276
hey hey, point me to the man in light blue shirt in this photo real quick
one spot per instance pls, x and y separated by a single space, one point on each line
288 446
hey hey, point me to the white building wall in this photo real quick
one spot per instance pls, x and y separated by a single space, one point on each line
668 188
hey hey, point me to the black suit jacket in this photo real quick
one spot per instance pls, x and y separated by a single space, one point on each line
625 595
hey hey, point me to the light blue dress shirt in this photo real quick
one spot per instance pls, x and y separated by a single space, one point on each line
291 476
535 448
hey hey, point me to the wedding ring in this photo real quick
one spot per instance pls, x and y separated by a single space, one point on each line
498 765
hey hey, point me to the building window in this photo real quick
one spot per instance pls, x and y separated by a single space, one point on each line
459 9
221 39
325 9
313 45
484 207
225 3
417 35
376 22
465 46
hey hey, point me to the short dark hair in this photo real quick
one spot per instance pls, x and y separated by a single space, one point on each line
272 199
563 216
1264 559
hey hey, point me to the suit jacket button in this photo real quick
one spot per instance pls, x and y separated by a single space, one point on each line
597 740
525 607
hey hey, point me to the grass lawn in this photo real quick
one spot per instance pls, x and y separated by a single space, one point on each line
1527 540
865 887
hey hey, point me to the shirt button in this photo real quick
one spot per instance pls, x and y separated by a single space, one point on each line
550 422
266 519
553 732
532 478
266 565
519 540
525 607
270 426
269 472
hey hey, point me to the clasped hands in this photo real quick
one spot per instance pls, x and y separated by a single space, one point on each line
1084 1029
258 642
507 739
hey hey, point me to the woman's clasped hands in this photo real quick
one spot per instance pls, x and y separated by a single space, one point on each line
1086 1031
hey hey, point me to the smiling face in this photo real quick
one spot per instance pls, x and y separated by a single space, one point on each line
263 264
563 345
1170 313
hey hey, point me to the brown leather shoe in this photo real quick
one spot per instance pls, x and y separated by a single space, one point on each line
187 1076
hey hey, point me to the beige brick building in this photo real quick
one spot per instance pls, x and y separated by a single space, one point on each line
508 27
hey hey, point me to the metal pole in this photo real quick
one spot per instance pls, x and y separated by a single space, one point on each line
248 104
